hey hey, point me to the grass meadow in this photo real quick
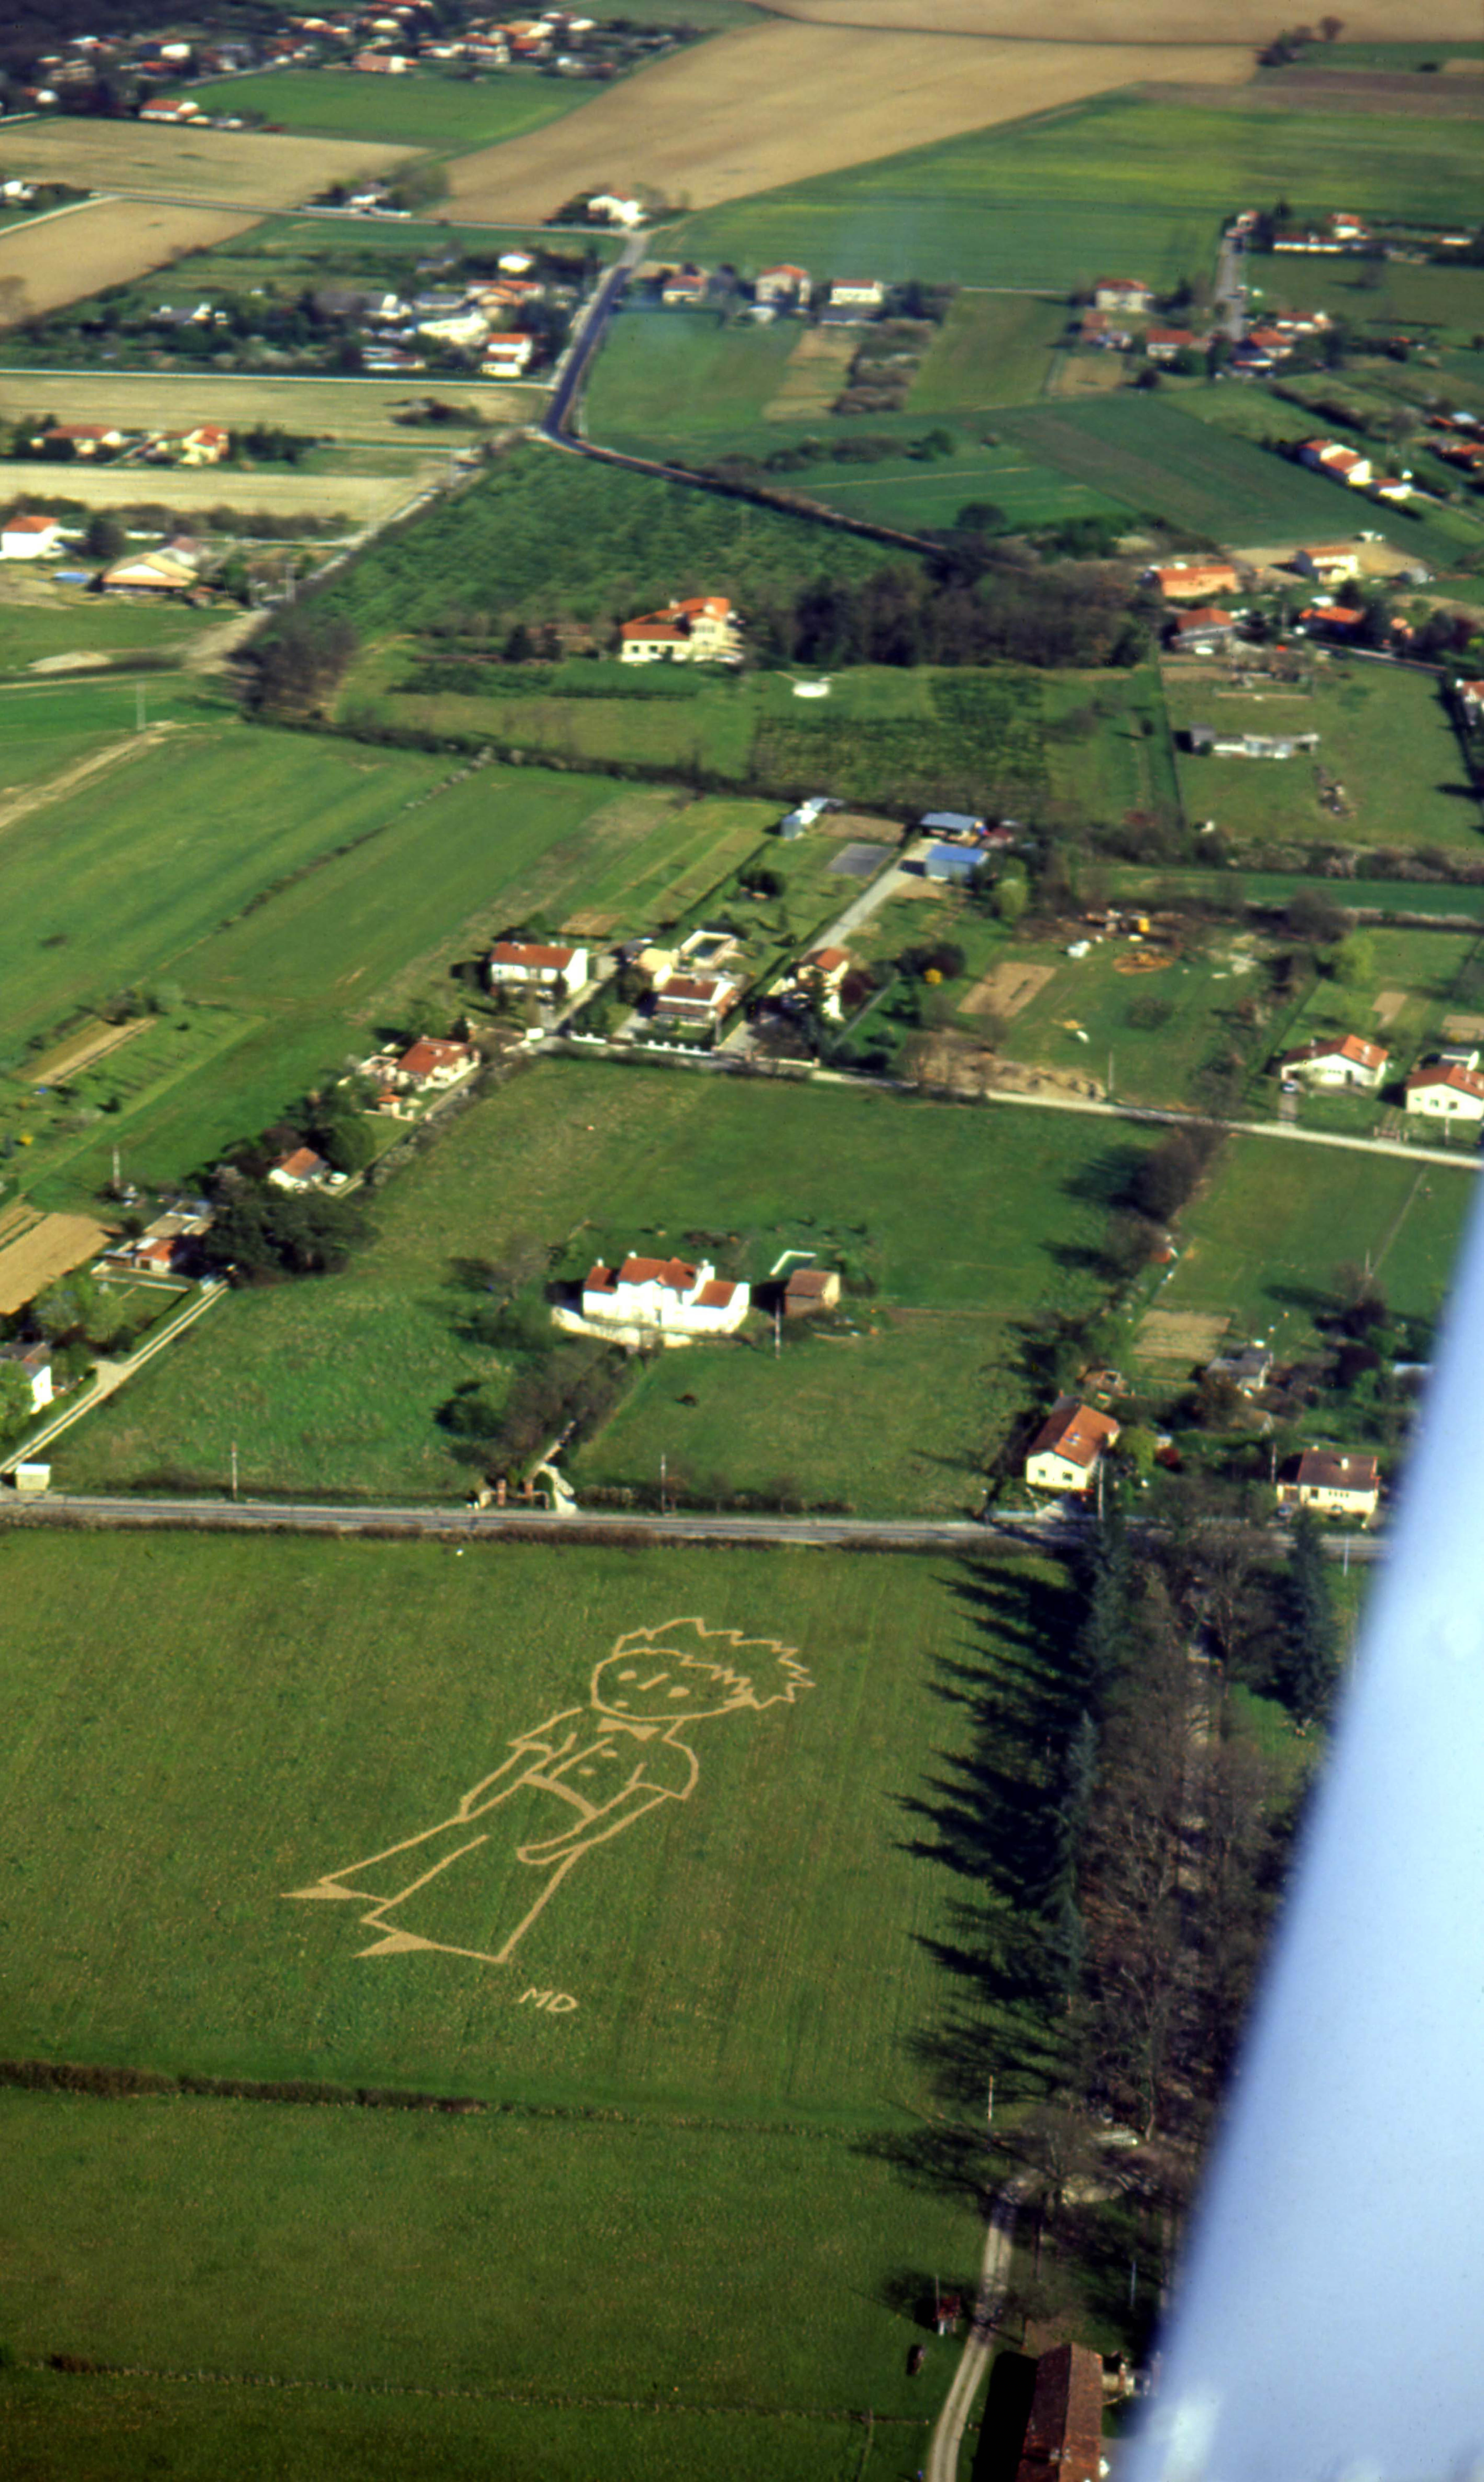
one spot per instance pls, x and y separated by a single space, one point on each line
1116 182
1264 1238
281 888
444 115
336 1386
1158 460
769 1977
1384 734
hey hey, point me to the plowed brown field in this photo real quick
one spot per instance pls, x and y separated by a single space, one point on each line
767 105
1140 22
68 256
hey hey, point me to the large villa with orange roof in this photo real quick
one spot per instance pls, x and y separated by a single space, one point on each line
703 629
666 1295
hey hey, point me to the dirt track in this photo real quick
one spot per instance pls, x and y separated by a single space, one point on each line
765 105
1149 23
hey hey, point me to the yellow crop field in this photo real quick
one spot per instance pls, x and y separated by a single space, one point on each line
188 488
66 257
219 167
766 105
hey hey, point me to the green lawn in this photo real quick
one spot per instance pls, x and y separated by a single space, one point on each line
1118 181
447 115
285 885
772 1977
58 2429
1383 732
335 1385
1373 293
992 349
1263 1242
1276 889
71 621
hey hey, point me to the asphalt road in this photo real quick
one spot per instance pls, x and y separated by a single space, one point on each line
1052 1530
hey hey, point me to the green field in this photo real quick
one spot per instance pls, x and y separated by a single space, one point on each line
336 1386
1154 456
1384 733
1270 888
992 349
1263 1240
70 621
903 736
285 886
768 1981
46 731
447 115
1116 182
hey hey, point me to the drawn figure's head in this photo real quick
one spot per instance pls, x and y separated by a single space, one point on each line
663 1676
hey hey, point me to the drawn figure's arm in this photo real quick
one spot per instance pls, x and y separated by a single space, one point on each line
616 1814
531 1750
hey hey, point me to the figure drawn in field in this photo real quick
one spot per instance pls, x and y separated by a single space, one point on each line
574 1782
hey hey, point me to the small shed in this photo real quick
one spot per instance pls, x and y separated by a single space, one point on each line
810 1290
951 863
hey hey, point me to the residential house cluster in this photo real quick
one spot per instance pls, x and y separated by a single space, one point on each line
201 444
1336 236
480 318
1461 443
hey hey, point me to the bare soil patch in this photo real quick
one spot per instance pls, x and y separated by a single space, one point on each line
1007 988
765 105
813 375
1180 1335
228 167
1388 1005
859 825
58 1243
81 1050
1141 961
591 924
1462 1029
68 256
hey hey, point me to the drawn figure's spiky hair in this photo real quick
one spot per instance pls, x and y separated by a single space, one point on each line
735 1661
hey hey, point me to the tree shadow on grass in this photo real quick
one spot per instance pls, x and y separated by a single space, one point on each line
983 1812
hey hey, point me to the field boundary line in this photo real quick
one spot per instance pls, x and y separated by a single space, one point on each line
82 2367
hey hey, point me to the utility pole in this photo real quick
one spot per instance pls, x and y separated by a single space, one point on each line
662 1482
778 1330
118 1181
989 2106
139 706
234 1470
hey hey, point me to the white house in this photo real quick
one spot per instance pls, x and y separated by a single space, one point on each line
666 1294
783 285
695 999
1447 1090
435 1061
507 354
1352 1061
1329 563
700 629
1334 1484
530 962
456 328
35 1360
1330 456
28 538
616 211
299 1170
821 976
1066 1451
858 293
1126 293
